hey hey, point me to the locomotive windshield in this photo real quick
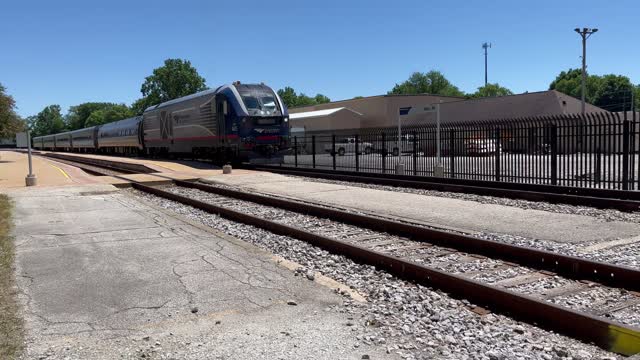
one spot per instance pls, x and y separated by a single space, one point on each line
259 101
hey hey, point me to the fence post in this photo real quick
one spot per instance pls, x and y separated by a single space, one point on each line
452 158
357 156
554 154
313 150
415 154
295 151
384 154
497 154
598 166
333 150
625 154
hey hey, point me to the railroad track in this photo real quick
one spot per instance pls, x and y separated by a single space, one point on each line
542 288
549 290
598 198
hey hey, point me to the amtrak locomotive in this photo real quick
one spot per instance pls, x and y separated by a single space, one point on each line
242 122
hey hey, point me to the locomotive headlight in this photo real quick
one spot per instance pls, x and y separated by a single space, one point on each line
286 119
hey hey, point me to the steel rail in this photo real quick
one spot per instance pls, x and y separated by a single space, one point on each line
599 198
609 335
569 266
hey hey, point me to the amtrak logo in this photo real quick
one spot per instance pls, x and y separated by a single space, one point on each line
267 131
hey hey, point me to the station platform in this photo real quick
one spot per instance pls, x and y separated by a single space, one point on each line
185 167
104 275
14 168
439 212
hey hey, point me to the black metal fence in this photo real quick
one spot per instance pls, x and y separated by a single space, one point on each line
595 150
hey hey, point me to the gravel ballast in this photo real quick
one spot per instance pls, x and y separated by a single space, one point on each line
411 320
604 214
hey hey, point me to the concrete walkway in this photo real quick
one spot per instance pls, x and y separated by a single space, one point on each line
455 214
14 167
102 275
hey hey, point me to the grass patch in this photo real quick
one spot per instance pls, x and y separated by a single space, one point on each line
10 323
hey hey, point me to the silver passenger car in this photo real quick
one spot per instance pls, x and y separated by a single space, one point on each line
49 142
84 139
122 136
63 141
38 142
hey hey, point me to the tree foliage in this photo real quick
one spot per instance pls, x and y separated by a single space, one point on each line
292 99
77 115
10 122
48 121
432 82
110 113
490 90
610 92
176 78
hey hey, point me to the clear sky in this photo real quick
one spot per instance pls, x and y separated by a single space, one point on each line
69 52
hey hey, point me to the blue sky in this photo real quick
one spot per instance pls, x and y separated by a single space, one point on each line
69 52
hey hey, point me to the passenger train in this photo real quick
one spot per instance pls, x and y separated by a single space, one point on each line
241 122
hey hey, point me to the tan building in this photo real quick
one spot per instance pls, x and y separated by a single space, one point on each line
375 111
382 111
340 118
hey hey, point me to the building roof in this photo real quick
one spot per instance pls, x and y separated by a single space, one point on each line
346 102
550 102
319 113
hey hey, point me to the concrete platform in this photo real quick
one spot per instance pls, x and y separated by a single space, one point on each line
14 167
185 167
102 275
440 212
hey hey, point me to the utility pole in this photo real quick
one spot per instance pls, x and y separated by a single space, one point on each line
485 46
585 33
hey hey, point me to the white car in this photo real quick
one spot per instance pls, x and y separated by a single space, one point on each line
348 146
481 147
406 146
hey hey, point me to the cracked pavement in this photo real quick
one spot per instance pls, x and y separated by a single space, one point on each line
102 275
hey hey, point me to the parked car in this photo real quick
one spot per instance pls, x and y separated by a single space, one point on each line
406 145
481 147
348 146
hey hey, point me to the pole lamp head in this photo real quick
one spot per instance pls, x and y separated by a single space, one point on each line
577 30
594 30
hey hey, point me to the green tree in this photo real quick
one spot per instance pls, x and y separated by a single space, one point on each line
304 100
490 90
292 99
77 115
321 99
614 93
610 92
570 83
432 82
176 78
10 122
288 96
113 112
48 121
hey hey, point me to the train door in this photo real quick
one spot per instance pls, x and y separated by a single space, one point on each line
221 112
166 127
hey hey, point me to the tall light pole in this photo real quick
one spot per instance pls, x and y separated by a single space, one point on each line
585 33
485 46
